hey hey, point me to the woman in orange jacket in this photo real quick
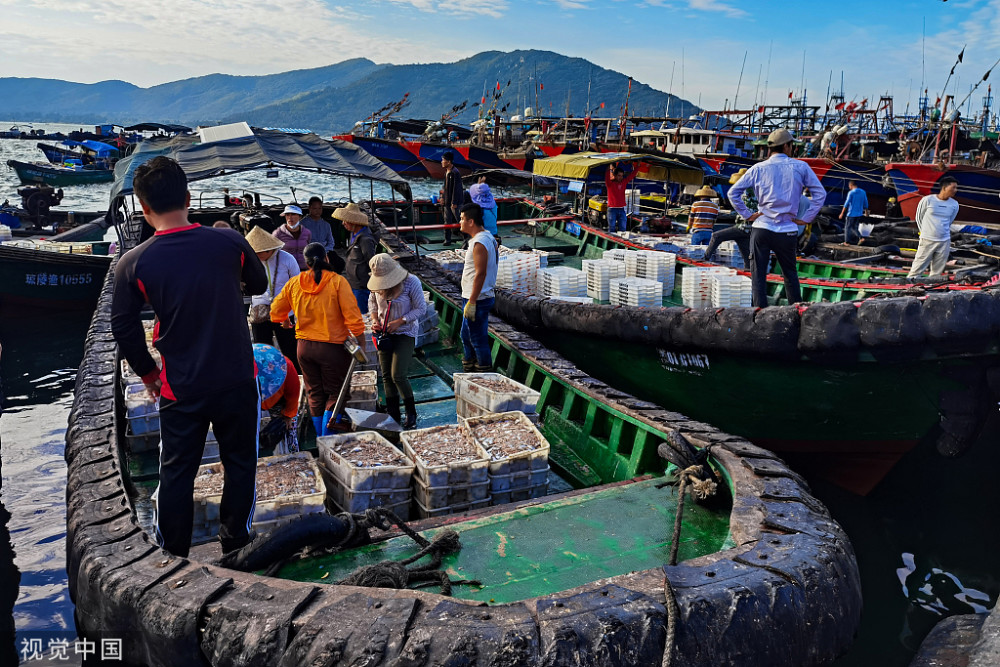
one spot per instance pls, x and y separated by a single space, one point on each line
326 313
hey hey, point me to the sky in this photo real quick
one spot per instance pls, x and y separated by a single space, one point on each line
693 48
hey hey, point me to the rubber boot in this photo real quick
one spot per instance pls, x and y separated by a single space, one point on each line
318 425
327 418
468 366
483 369
392 408
411 413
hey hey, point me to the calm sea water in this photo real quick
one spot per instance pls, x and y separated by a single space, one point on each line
926 539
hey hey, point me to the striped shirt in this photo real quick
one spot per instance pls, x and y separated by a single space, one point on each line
704 212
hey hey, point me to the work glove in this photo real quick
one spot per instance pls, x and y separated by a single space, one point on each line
469 312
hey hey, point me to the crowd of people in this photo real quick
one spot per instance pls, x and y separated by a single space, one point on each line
307 304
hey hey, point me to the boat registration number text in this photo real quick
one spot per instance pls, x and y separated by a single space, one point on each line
683 362
56 279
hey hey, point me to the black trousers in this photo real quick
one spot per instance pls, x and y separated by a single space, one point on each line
734 233
450 218
784 245
267 332
234 416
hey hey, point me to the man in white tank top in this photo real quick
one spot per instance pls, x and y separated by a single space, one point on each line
479 277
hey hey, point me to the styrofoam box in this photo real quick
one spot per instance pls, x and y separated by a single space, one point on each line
473 471
362 479
522 398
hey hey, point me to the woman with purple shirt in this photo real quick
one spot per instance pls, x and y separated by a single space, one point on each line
396 305
294 235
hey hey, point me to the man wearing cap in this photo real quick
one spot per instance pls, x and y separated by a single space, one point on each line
191 277
360 249
280 268
294 235
704 213
777 183
453 195
317 226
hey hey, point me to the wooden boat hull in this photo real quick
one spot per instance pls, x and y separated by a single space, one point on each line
31 172
51 280
786 593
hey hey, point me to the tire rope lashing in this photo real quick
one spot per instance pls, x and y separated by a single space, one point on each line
699 477
396 574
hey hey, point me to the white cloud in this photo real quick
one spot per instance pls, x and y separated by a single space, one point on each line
573 4
716 6
493 8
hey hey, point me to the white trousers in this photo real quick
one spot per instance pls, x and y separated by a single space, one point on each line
933 253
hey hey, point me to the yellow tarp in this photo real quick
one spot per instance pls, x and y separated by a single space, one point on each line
577 166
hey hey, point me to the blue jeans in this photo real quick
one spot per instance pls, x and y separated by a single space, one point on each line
476 334
362 296
851 233
617 220
701 237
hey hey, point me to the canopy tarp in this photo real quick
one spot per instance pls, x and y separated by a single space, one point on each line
592 166
156 127
265 149
102 150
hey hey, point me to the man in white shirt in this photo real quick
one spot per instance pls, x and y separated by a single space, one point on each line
777 182
935 214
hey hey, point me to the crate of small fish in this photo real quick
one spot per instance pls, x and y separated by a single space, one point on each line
364 390
365 470
518 453
141 410
451 469
287 487
495 393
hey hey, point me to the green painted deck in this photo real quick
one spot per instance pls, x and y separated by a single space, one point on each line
547 548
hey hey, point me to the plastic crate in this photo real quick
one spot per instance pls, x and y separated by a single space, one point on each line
458 473
437 497
464 410
432 336
463 508
522 470
141 410
639 292
519 397
140 444
615 254
355 478
520 492
342 499
429 321
272 511
364 386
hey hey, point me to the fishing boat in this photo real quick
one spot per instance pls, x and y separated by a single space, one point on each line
978 188
60 175
763 578
87 152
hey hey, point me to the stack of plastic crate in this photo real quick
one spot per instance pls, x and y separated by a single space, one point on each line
639 292
599 273
728 254
616 254
730 290
517 272
652 265
560 281
696 284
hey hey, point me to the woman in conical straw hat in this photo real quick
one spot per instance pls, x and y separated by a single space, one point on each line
397 305
360 249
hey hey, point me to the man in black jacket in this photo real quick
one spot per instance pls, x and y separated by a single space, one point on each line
191 276
454 193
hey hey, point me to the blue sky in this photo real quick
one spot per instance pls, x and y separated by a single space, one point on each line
876 44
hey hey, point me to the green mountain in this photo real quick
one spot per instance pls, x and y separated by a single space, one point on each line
331 99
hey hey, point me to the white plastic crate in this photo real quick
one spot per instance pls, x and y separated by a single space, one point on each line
354 488
473 388
364 386
560 281
464 410
696 284
141 410
652 265
599 273
728 254
639 292
615 254
730 291
524 469
463 508
427 337
517 271
463 472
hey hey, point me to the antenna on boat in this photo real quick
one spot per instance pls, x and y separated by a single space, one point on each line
944 90
739 82
767 75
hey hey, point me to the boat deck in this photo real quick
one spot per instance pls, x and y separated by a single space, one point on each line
547 547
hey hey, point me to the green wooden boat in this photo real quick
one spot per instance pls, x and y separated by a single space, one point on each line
59 175
50 280
572 579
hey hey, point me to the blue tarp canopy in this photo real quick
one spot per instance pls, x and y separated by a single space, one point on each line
101 150
265 149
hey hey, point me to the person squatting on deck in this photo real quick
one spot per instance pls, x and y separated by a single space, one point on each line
855 206
453 194
360 249
280 268
293 234
326 313
479 277
777 182
279 386
935 215
616 181
704 213
738 232
397 304
191 277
